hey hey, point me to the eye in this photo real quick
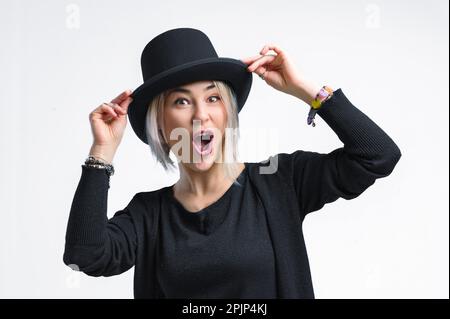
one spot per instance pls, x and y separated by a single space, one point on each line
180 99
215 96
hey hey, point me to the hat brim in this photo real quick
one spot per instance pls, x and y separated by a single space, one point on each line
232 71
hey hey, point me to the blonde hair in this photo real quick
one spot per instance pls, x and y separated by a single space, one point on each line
154 128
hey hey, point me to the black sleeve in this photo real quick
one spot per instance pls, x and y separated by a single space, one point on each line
95 245
368 153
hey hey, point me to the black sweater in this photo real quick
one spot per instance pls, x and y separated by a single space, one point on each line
248 244
222 251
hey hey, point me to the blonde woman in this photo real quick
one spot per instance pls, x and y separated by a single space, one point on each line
225 229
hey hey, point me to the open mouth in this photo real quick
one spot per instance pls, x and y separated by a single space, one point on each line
203 142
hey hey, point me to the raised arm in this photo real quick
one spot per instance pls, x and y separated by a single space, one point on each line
94 244
368 153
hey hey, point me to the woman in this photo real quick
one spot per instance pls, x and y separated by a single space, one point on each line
225 229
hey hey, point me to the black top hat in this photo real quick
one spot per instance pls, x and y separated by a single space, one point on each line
180 56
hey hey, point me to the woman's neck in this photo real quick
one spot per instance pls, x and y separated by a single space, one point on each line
204 183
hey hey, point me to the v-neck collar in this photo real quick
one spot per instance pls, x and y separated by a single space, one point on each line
211 216
239 180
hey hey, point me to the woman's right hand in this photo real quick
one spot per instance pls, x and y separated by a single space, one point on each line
108 123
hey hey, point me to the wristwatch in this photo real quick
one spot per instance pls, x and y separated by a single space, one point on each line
324 94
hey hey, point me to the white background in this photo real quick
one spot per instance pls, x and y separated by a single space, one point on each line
61 59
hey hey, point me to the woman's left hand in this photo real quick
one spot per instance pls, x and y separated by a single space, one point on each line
280 73
279 70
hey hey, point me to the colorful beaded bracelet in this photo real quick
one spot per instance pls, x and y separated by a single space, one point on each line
324 94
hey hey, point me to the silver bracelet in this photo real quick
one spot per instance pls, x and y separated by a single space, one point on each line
91 161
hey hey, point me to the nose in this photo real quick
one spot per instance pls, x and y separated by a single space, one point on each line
201 112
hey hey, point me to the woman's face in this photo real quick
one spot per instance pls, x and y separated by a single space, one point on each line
188 110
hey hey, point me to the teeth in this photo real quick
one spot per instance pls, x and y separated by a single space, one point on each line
206 137
201 138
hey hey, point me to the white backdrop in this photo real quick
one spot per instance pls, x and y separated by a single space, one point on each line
61 59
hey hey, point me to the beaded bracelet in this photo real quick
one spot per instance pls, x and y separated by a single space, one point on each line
323 95
91 161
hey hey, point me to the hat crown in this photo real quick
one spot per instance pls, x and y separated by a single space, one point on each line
175 47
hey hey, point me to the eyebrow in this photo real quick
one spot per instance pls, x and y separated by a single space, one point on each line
183 90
